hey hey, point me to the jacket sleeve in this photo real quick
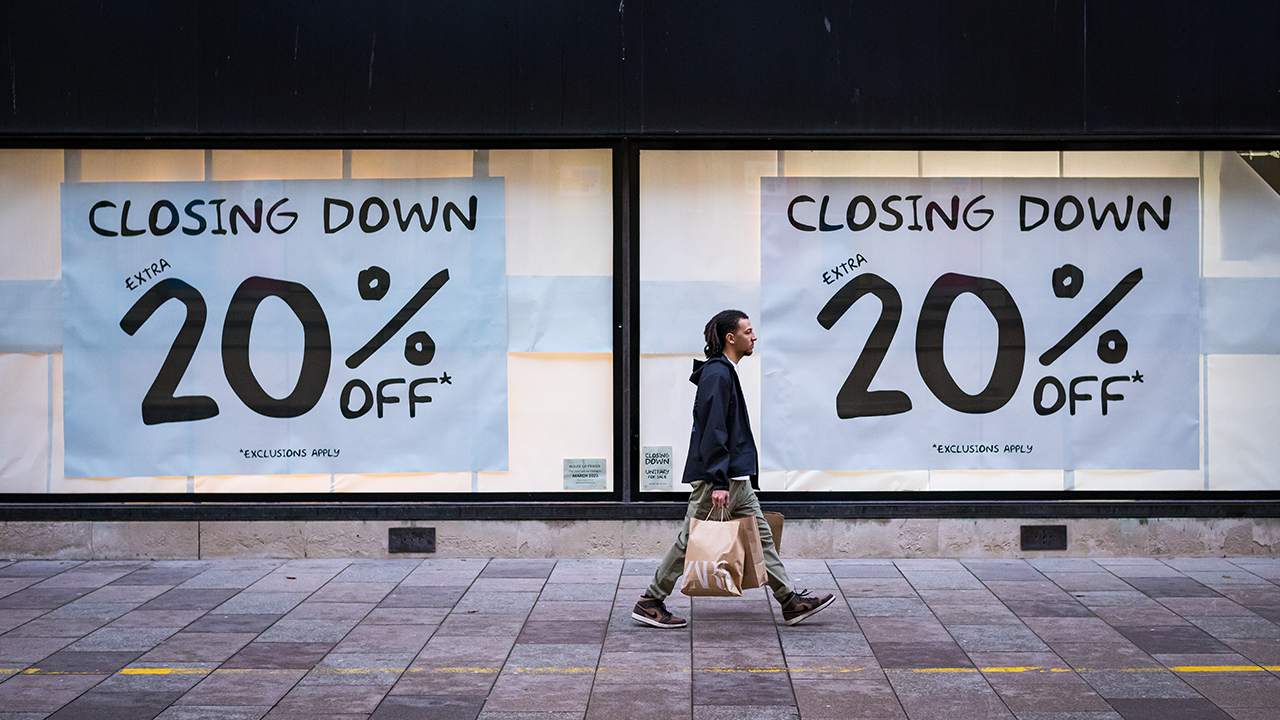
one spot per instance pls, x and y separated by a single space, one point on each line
715 393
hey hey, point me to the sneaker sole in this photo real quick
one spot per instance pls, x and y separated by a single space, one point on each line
657 623
799 618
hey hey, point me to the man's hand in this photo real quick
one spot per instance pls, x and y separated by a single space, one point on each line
720 499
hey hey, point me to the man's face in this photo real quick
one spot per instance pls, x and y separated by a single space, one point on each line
744 338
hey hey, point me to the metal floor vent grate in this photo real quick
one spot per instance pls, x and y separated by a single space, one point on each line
1044 537
411 540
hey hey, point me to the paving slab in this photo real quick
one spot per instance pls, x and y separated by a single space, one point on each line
518 568
165 572
423 596
97 662
921 655
37 568
429 707
44 693
1259 650
469 679
1122 615
89 575
48 627
156 618
901 630
1071 629
237 687
364 669
1067 607
12 618
214 712
238 623
358 592
1143 683
742 688
550 691
1172 639
124 638
278 656
129 705
45 598
184 598
1237 627
142 676
991 638
832 644
764 657
1165 709
197 647
323 699
10 585
997 614
1040 698
1103 656
27 650
261 603
560 631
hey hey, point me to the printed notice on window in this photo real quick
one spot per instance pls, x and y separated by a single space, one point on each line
584 474
656 469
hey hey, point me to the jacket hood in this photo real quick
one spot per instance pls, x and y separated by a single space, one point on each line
700 365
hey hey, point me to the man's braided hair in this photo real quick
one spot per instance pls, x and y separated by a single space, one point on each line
725 322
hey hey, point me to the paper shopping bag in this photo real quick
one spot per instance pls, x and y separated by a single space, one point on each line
775 527
753 572
713 559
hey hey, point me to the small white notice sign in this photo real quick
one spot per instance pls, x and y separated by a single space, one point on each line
656 468
584 474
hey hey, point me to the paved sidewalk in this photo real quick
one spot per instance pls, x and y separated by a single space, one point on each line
1057 639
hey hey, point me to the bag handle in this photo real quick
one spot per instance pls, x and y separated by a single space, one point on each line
724 514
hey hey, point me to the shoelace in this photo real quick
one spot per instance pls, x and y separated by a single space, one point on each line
802 596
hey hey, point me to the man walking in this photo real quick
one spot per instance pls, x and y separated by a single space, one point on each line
722 469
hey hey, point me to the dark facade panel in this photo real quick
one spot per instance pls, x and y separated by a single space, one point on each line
505 67
81 67
1183 67
643 68
831 67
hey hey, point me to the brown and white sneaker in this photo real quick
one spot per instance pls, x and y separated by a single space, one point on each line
652 611
801 605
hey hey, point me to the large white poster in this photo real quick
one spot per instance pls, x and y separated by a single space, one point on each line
979 323
227 328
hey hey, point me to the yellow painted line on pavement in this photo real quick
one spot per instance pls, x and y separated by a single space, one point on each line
623 670
165 671
835 669
1218 668
637 671
260 671
1029 669
357 671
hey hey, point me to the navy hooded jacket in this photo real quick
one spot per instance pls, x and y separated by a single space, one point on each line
721 446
